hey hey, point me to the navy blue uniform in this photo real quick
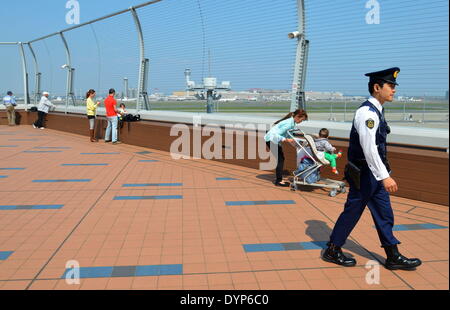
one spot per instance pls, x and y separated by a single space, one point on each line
371 193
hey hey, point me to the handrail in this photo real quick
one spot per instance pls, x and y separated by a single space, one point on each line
96 20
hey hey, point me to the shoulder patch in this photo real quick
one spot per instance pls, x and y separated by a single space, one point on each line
370 123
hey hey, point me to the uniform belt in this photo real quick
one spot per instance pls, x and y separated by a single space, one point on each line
362 163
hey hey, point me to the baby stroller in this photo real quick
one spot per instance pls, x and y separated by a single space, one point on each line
309 174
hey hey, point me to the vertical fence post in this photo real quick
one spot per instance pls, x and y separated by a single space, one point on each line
298 99
345 111
37 81
143 64
25 76
70 73
423 111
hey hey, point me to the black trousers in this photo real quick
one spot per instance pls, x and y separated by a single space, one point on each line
278 151
41 119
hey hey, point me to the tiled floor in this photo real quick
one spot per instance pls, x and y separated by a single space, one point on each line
134 218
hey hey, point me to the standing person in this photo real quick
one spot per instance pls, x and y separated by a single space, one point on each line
111 115
10 102
368 175
91 108
120 116
277 134
44 105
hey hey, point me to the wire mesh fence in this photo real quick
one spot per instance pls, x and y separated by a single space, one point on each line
245 43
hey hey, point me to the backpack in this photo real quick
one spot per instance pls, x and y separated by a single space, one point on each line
132 118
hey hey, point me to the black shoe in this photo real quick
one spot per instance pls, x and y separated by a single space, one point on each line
395 260
106 141
282 184
333 254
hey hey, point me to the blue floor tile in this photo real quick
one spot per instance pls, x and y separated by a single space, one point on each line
8 145
92 272
159 270
225 179
8 208
288 246
47 207
5 254
3 176
171 270
314 245
126 271
433 226
12 168
142 271
418 226
263 247
31 207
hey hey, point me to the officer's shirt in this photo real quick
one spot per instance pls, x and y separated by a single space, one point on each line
363 117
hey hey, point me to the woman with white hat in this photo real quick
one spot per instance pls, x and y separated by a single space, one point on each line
43 108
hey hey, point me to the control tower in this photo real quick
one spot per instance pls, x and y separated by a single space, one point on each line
209 87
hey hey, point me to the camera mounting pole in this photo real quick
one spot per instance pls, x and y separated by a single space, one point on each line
298 100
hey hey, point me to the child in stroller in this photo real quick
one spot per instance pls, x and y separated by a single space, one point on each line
309 161
323 145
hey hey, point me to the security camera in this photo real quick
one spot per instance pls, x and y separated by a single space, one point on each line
64 66
292 35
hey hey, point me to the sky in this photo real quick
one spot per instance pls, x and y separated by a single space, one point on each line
244 42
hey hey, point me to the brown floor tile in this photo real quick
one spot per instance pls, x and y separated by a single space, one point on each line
248 286
14 285
296 285
199 232
271 285
44 285
94 284
222 287
322 284
195 280
267 276
62 285
119 283
219 279
170 282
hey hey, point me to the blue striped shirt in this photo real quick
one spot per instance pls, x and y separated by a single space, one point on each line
9 100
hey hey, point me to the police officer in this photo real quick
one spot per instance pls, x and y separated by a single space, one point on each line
368 175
